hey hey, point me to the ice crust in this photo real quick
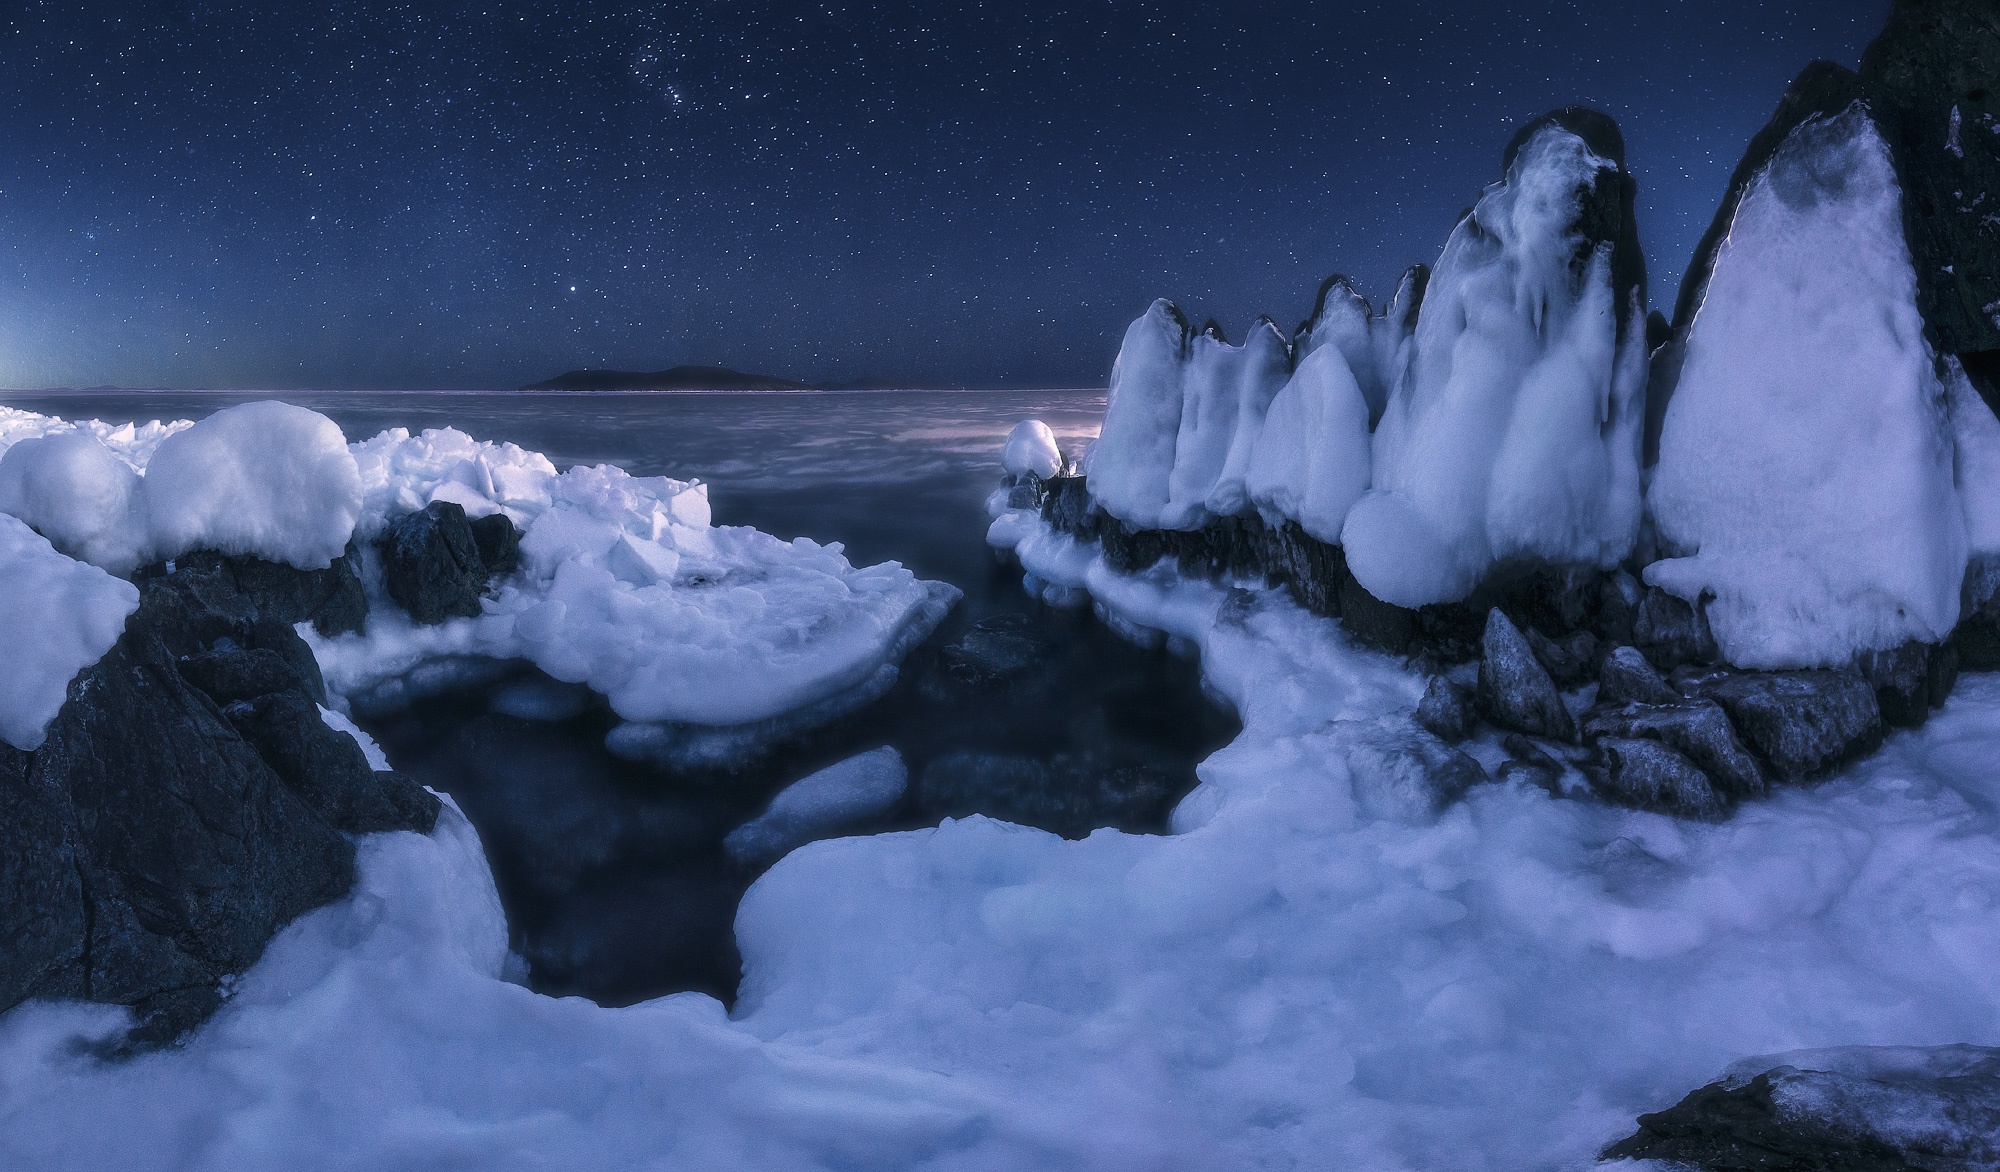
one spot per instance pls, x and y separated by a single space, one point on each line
57 617
1806 472
1287 981
1031 450
1514 433
1311 461
841 795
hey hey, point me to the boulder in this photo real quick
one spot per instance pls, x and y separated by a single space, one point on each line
1696 729
1515 690
1069 508
210 586
1648 775
1670 633
431 564
1625 678
1445 711
1857 1109
1910 680
1570 660
498 542
1802 723
327 768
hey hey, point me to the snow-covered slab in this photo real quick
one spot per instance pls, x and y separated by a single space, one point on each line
57 617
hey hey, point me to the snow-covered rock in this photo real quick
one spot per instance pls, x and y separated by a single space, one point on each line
1514 434
1031 451
840 796
1311 461
59 616
74 491
1131 462
1806 478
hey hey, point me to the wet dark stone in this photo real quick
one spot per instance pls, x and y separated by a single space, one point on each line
1070 794
1445 711
1696 729
241 673
498 542
1648 775
998 649
44 918
1571 661
327 767
1902 679
1382 625
1802 723
1940 1110
1515 691
1313 570
1625 677
1069 508
1530 754
1670 633
431 564
218 592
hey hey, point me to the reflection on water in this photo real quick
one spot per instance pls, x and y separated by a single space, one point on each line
613 875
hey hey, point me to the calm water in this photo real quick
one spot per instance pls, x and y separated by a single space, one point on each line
613 875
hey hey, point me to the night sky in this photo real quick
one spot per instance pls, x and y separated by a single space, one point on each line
383 195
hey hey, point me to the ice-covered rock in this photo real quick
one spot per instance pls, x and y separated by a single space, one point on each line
74 491
1670 632
1130 464
1515 690
1514 434
1806 470
1225 391
1651 775
1853 1107
1374 347
1031 450
61 616
432 564
1696 729
836 798
1625 677
1402 771
1802 722
1445 711
1311 460
265 480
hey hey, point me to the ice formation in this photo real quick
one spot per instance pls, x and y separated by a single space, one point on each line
1376 347
1225 391
74 491
1133 458
1514 434
1031 450
839 796
1311 460
60 616
1806 460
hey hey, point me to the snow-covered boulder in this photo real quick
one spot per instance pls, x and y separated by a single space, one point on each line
1806 478
74 491
1376 347
1031 451
1133 458
1514 434
60 616
823 804
267 480
1311 461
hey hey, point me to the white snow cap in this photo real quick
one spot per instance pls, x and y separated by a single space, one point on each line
1515 432
267 479
1134 455
1375 346
1031 450
1806 458
57 617
1311 459
74 491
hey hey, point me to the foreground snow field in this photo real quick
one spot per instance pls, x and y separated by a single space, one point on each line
1285 983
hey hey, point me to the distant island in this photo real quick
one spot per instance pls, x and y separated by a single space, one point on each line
706 378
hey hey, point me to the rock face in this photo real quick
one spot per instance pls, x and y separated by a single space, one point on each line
1802 722
1857 1110
436 564
189 800
1515 690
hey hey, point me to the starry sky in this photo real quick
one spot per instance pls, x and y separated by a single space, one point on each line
481 194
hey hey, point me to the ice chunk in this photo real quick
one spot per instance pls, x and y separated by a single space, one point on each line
60 616
74 491
1311 459
834 799
1225 392
265 479
401 473
339 722
1806 458
1031 450
1133 458
1515 432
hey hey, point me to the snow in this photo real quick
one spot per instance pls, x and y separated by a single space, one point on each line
1806 459
1031 450
1376 347
377 759
1133 457
1311 461
57 617
401 473
1515 432
840 796
1225 391
71 489
133 443
266 480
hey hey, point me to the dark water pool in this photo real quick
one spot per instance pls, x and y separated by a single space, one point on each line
613 874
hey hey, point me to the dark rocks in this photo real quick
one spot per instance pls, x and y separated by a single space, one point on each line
1529 762
1571 661
431 564
1445 711
499 543
1069 508
1515 691
1381 625
1650 776
149 849
1670 633
1069 794
1802 723
997 650
1910 680
1312 569
1696 729
1402 772
1859 1109
1627 678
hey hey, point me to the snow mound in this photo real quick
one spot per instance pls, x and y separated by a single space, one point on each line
1133 457
1515 432
1311 460
61 616
266 480
824 803
401 473
1031 450
1806 458
74 491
